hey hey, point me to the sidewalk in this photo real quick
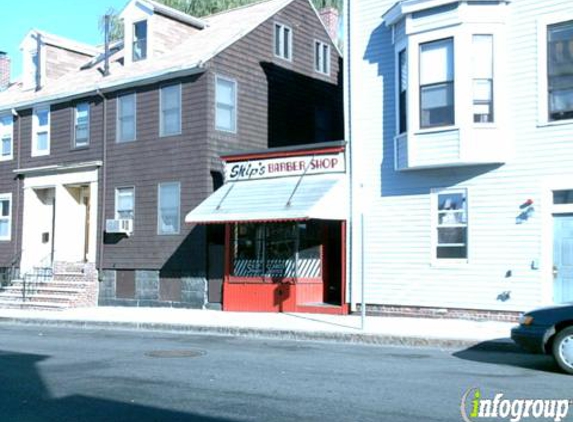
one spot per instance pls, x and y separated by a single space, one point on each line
377 330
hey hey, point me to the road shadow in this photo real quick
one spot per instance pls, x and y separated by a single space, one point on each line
503 351
25 397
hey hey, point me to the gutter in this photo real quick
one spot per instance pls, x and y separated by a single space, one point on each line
102 203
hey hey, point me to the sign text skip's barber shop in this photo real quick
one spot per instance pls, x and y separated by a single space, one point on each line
281 167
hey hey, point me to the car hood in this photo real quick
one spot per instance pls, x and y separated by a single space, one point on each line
551 315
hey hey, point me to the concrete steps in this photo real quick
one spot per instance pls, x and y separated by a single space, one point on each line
67 287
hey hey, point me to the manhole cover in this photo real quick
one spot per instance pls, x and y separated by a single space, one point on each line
174 353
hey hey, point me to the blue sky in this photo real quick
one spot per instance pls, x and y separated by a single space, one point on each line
73 19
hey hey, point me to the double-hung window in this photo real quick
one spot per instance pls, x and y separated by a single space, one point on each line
126 117
41 131
170 120
403 91
125 203
168 208
139 45
560 70
82 125
6 136
322 57
452 225
283 41
437 83
5 216
482 68
226 105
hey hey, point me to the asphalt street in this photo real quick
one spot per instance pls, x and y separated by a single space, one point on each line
61 374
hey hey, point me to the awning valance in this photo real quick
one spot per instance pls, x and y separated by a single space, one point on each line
322 197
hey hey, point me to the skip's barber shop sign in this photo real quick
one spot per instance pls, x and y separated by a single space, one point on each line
288 166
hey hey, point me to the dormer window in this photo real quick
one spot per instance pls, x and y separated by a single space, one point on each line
139 46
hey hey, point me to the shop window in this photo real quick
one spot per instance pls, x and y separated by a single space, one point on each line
452 225
277 250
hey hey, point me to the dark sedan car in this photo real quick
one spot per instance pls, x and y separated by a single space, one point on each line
549 331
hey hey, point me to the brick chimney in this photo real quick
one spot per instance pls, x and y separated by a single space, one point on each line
330 18
4 70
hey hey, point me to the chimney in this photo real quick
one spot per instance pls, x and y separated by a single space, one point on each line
4 70
329 16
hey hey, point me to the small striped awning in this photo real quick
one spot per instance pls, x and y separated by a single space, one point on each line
321 197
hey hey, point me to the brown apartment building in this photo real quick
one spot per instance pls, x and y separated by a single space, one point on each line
102 155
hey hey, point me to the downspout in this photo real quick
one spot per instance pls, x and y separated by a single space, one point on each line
350 145
103 188
360 223
17 214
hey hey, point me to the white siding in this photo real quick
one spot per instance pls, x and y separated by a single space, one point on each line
398 249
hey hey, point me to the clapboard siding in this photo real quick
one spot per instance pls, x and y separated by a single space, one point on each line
399 269
8 185
150 160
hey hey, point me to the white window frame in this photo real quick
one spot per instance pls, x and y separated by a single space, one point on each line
453 81
161 111
434 203
281 53
117 194
159 231
234 106
118 121
543 24
35 129
133 40
491 79
4 197
5 132
87 143
399 48
322 63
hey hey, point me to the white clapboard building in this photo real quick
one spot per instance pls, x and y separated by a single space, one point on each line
460 121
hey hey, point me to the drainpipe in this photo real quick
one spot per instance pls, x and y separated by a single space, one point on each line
350 149
99 264
17 213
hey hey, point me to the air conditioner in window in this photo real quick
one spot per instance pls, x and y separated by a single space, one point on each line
123 226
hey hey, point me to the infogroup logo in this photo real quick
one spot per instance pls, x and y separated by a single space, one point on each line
474 407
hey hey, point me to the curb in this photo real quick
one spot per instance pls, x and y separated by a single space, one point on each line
296 335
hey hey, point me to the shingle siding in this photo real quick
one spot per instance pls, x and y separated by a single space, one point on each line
191 156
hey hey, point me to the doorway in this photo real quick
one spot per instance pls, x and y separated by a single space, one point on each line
45 216
563 258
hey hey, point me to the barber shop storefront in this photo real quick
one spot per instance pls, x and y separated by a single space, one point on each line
284 212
